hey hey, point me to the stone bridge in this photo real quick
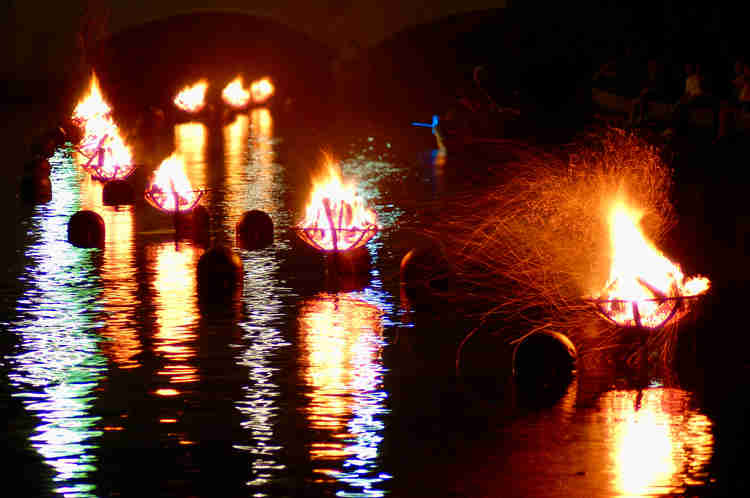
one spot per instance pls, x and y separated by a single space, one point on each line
40 38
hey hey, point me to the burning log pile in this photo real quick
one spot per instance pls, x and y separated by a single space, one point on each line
104 152
336 218
575 235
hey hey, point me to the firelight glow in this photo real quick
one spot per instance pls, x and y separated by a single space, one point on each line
261 90
336 218
93 104
235 95
170 189
643 284
192 98
102 146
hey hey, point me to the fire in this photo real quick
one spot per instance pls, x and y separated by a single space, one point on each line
192 98
336 218
170 189
235 95
105 151
261 90
644 288
91 105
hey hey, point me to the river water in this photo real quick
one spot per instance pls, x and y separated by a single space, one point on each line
118 383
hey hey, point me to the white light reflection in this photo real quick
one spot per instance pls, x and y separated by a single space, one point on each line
251 184
342 341
58 363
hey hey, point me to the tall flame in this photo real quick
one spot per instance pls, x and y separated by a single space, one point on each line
235 95
170 189
91 105
644 286
261 90
192 98
336 218
106 154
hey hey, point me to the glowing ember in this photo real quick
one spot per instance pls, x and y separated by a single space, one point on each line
92 105
235 95
170 189
261 90
192 98
336 217
645 289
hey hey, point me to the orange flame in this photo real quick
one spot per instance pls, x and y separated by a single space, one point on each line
170 189
91 105
261 90
192 98
336 217
102 145
235 95
644 288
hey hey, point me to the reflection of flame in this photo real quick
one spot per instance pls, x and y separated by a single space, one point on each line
192 98
190 144
261 90
170 189
658 440
342 337
119 278
102 146
336 218
91 105
175 298
644 287
234 94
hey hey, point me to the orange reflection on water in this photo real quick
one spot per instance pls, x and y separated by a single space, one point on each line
118 274
176 311
190 145
261 160
236 161
249 159
341 340
660 444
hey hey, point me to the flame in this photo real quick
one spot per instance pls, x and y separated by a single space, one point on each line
235 95
644 287
336 217
192 98
102 145
261 90
170 189
91 105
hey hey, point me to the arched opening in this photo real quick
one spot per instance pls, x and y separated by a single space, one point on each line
147 64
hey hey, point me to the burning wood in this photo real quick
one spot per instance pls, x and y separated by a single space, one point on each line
538 247
644 289
261 90
192 99
107 156
170 189
336 217
92 105
235 95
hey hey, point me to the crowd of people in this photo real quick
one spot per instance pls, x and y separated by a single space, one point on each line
723 91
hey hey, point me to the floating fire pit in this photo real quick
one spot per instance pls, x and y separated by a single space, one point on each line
235 95
170 190
192 98
108 158
337 218
645 289
261 90
111 160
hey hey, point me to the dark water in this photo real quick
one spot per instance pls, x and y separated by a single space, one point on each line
118 383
